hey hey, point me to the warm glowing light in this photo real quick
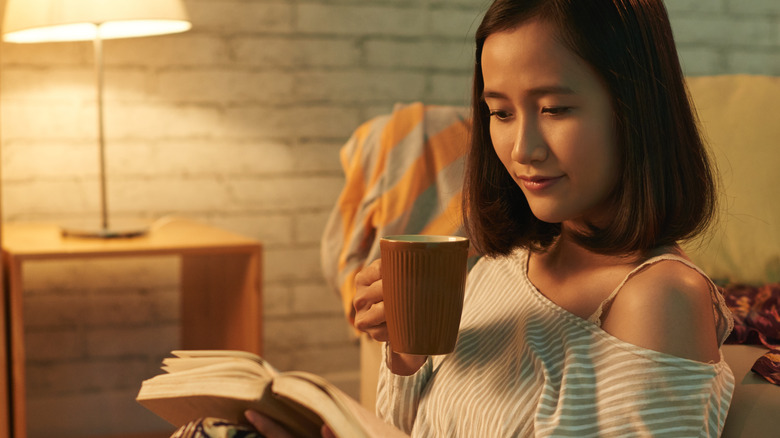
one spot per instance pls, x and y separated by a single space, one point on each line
88 31
36 21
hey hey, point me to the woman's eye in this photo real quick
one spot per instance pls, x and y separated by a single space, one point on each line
499 114
556 110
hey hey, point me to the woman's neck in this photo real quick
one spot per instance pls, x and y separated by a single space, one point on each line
567 256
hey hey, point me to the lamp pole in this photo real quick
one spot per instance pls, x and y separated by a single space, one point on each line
98 49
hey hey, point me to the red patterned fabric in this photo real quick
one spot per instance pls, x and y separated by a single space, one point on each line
768 366
756 311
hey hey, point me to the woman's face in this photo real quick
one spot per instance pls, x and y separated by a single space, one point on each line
551 124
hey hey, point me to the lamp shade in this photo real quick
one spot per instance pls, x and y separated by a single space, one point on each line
34 21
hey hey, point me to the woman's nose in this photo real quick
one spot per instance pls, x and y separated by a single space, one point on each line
529 145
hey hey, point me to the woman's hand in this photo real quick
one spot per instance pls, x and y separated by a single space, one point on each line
271 429
369 302
370 317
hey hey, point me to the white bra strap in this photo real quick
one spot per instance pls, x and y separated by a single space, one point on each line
595 318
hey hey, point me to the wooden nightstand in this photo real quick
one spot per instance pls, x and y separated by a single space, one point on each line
221 300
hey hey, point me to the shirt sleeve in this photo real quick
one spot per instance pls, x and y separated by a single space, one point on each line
399 396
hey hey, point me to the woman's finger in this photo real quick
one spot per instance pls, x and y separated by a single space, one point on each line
367 296
326 432
266 426
368 283
373 322
370 273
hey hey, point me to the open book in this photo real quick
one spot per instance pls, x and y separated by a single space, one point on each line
223 384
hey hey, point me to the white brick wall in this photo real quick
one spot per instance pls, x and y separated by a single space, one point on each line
238 123
727 36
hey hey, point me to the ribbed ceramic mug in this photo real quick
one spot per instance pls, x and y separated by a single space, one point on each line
423 279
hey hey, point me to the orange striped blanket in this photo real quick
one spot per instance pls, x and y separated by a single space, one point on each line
404 174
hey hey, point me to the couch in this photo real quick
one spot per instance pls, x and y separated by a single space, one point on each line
399 172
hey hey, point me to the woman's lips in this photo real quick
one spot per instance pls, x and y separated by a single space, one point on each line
538 183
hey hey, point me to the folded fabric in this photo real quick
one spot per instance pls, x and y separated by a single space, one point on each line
757 321
768 366
215 428
755 310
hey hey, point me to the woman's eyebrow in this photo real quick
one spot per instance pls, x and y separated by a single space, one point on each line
551 89
534 92
487 94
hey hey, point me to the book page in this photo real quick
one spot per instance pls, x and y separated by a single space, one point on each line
344 415
203 356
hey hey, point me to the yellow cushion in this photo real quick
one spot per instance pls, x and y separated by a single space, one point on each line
741 122
742 125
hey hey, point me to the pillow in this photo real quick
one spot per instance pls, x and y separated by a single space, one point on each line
739 121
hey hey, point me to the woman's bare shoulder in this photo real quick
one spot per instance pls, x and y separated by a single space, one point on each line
666 307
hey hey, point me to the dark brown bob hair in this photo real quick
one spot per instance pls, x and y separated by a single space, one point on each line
666 190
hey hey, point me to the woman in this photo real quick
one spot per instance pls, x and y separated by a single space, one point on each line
584 318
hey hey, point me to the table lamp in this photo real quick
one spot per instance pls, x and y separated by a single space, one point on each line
37 21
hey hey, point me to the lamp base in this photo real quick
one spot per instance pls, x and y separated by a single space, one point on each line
104 233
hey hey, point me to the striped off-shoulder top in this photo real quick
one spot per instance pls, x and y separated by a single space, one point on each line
525 367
